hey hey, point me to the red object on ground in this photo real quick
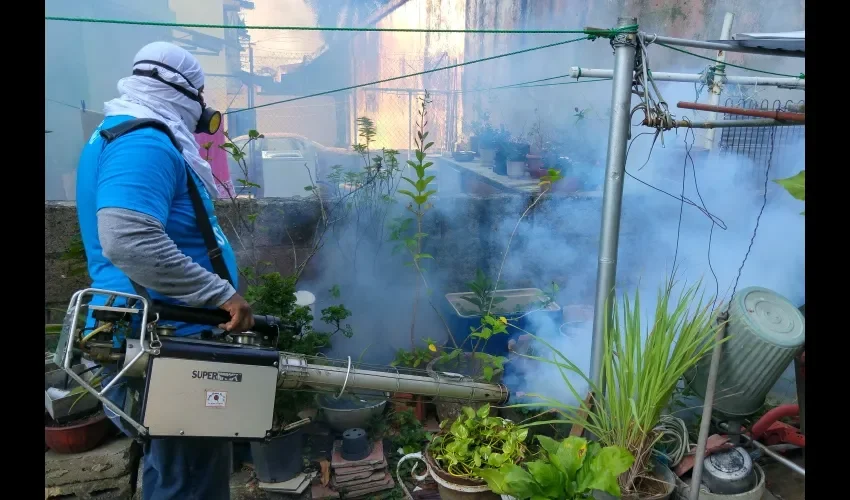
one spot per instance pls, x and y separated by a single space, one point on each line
770 430
79 437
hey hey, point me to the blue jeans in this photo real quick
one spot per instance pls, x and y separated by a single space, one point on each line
179 468
187 469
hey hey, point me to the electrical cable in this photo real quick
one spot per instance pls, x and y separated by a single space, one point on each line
801 76
758 218
674 439
593 32
385 80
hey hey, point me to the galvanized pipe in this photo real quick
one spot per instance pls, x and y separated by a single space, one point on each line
757 122
776 456
717 82
612 194
758 113
729 47
296 372
708 404
661 76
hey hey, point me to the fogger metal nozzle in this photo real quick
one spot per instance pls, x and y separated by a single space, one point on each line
298 372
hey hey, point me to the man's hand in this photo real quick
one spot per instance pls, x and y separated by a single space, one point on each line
241 316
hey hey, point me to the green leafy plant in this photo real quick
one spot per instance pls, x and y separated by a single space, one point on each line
482 293
640 377
795 185
410 434
419 203
416 357
570 470
476 441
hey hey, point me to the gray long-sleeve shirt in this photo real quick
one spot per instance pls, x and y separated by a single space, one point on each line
138 245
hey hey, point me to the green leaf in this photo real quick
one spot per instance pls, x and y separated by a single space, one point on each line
253 134
469 412
308 188
484 411
548 477
496 481
795 185
571 454
603 470
420 256
407 193
521 483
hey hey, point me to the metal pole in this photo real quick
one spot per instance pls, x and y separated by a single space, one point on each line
728 47
757 122
719 72
409 123
660 76
758 113
252 166
708 404
612 196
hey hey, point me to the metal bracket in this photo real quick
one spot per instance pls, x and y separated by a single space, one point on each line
75 307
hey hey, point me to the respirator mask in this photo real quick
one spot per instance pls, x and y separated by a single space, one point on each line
210 119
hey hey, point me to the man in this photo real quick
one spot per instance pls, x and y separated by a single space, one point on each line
144 202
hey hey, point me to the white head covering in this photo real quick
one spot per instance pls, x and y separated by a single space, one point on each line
144 97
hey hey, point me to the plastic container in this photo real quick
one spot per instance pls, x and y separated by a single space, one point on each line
516 169
355 445
78 437
461 320
278 459
351 411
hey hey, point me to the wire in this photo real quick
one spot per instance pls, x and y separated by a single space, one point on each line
63 103
594 32
758 219
525 85
392 79
801 76
715 221
674 439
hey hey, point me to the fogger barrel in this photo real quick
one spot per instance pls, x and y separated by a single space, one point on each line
331 375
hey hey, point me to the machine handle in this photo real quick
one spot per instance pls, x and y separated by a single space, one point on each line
266 325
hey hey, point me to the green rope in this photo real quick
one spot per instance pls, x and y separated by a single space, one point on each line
385 80
591 32
801 76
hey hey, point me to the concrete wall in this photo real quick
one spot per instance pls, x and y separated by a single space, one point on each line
557 242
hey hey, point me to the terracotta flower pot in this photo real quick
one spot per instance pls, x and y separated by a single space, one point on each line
80 436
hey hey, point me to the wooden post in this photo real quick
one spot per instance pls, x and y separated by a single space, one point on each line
578 429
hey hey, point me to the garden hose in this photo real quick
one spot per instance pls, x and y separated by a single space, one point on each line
674 441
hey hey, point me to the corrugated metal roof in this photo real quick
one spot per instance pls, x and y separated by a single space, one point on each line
791 41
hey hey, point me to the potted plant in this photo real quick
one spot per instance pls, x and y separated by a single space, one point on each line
640 378
466 309
516 154
570 470
416 357
472 363
278 458
472 443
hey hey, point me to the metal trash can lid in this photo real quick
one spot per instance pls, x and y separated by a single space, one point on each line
770 316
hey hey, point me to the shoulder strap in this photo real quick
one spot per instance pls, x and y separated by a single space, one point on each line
202 217
205 226
128 126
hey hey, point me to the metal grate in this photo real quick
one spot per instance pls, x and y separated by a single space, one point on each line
754 142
